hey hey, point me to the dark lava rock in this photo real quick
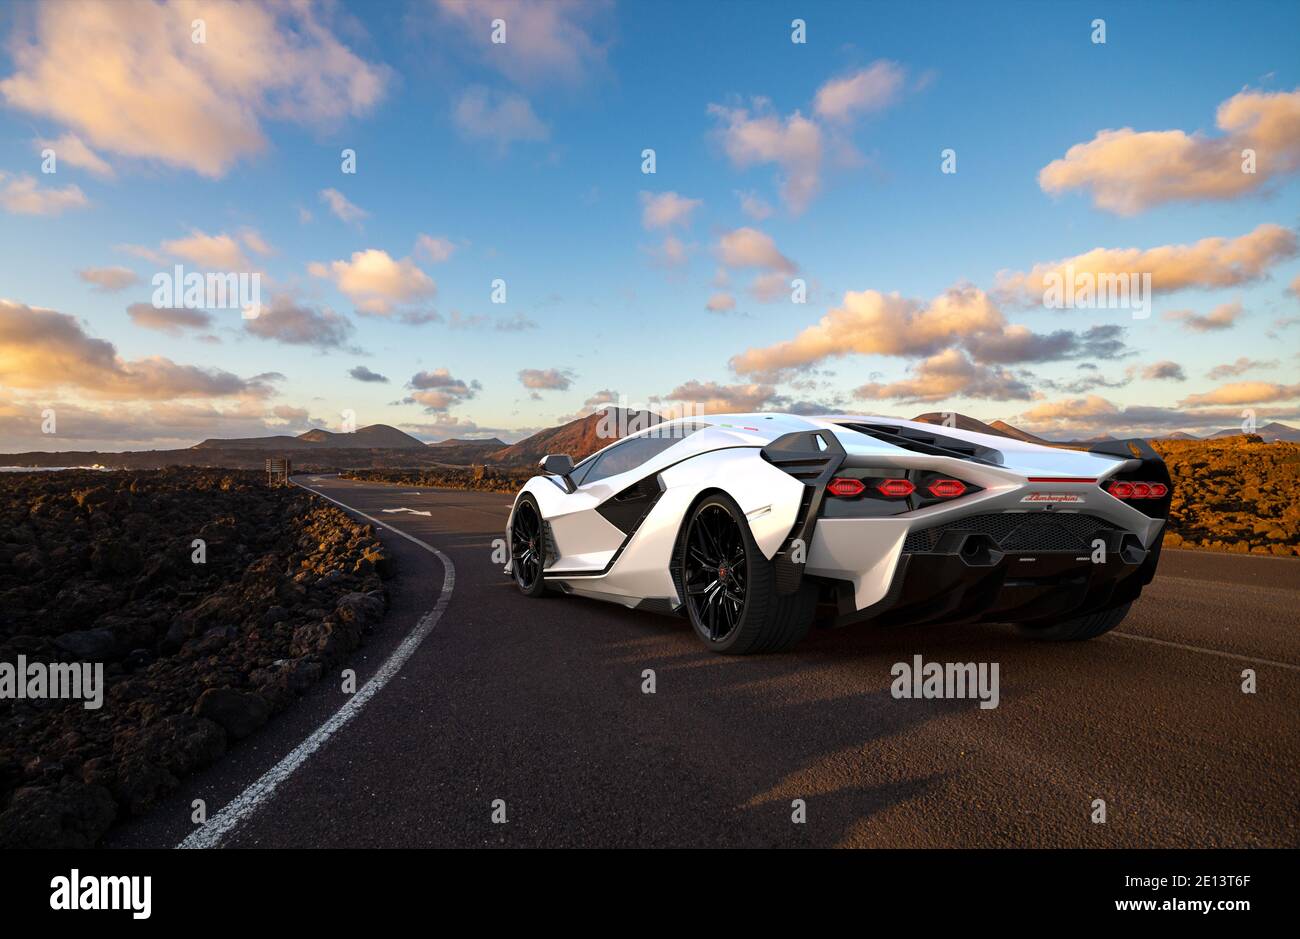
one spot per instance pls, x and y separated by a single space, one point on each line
72 815
98 566
239 712
89 645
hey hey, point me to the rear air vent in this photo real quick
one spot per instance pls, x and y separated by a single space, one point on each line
931 444
1018 531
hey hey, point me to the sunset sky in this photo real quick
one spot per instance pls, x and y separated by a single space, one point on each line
522 162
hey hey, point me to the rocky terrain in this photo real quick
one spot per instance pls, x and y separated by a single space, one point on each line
1236 494
483 478
100 567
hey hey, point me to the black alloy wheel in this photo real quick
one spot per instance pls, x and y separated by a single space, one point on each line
527 548
716 571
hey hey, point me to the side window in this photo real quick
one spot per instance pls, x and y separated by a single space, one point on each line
630 454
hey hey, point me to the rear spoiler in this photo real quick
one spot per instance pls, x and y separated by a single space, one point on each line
1134 449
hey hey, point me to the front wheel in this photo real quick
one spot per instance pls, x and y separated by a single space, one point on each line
1081 627
731 597
527 548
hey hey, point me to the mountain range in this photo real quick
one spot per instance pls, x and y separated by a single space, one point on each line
374 436
384 446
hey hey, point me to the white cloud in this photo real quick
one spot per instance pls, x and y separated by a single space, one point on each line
546 379
665 209
127 78
1223 316
501 118
721 303
949 374
872 323
436 250
870 89
1128 172
72 150
108 279
375 282
792 143
216 252
754 206
1244 392
22 195
547 41
749 247
1210 262
341 208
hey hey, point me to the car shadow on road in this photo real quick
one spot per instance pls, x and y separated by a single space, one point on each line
818 724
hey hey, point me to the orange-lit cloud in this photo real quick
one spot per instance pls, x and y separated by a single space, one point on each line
1244 392
375 282
23 195
1210 262
44 349
1128 172
948 374
108 279
1223 316
872 323
664 209
749 247
129 79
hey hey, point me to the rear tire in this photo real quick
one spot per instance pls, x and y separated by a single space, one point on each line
739 612
1081 627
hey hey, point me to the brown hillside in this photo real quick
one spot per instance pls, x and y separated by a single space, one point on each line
579 438
963 422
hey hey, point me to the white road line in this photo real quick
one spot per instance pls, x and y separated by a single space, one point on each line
248 801
1223 655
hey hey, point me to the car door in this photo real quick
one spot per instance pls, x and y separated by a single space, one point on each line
613 493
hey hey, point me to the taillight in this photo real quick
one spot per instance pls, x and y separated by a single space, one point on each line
846 487
895 488
946 488
1123 490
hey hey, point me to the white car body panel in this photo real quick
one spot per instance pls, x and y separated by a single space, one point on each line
605 562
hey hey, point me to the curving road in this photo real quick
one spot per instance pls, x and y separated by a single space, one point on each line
483 695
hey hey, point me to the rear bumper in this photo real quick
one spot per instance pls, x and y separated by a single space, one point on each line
991 566
969 585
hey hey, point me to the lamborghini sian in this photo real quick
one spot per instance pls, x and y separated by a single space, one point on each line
757 526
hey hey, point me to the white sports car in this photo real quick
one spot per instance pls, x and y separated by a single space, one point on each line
757 525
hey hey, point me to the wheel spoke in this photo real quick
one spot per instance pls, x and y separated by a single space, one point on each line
714 572
526 548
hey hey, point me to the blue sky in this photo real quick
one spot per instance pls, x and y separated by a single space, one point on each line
524 159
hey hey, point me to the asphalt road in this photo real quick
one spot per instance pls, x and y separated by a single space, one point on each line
539 703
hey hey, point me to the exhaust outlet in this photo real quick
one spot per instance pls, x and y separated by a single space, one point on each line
979 551
1131 551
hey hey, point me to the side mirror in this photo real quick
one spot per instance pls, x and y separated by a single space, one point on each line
559 464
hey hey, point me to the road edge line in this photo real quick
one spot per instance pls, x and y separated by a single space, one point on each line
1204 651
263 788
